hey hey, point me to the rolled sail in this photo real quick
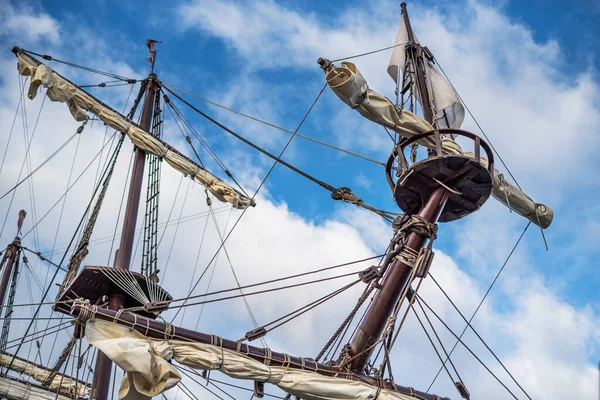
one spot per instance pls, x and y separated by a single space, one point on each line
79 101
66 384
447 109
148 371
350 86
13 389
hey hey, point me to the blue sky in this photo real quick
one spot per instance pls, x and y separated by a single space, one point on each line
528 71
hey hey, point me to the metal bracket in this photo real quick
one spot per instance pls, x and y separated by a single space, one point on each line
259 389
462 389
424 260
369 274
256 333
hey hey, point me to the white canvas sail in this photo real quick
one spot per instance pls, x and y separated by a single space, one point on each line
149 372
350 86
65 384
12 389
446 106
78 101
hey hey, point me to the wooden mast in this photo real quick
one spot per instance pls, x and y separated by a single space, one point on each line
101 381
397 274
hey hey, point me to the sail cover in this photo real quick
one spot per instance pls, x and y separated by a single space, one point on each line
148 371
12 389
66 384
447 108
350 86
79 101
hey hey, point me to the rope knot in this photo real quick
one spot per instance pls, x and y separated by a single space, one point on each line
345 194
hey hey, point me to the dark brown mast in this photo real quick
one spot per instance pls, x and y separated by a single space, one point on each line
398 273
10 257
414 52
101 382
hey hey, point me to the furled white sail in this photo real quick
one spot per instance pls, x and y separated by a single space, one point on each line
78 101
149 372
66 384
350 86
398 58
446 106
12 389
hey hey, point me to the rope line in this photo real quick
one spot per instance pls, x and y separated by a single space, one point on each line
480 338
479 126
420 299
483 299
261 184
275 126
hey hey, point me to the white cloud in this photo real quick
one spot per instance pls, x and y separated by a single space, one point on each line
29 25
548 351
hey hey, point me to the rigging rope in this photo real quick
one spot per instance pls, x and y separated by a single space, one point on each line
480 338
336 193
275 126
64 194
459 340
479 126
483 299
96 71
40 166
278 279
175 111
261 184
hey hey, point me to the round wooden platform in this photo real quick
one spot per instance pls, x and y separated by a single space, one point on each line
469 179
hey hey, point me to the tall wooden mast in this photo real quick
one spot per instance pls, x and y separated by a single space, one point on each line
101 382
398 272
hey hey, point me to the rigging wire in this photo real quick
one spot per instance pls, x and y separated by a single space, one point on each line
196 267
74 236
12 128
275 126
261 184
28 144
186 124
21 83
420 300
171 211
479 126
259 291
389 216
369 52
88 69
62 208
433 344
278 279
108 239
483 299
40 166
237 281
477 334
304 309
64 194
176 228
209 380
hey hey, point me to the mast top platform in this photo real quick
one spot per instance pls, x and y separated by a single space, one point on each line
95 283
466 177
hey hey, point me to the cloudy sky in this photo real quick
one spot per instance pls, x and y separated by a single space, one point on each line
528 72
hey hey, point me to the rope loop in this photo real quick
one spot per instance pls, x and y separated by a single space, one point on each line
87 310
169 331
345 194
